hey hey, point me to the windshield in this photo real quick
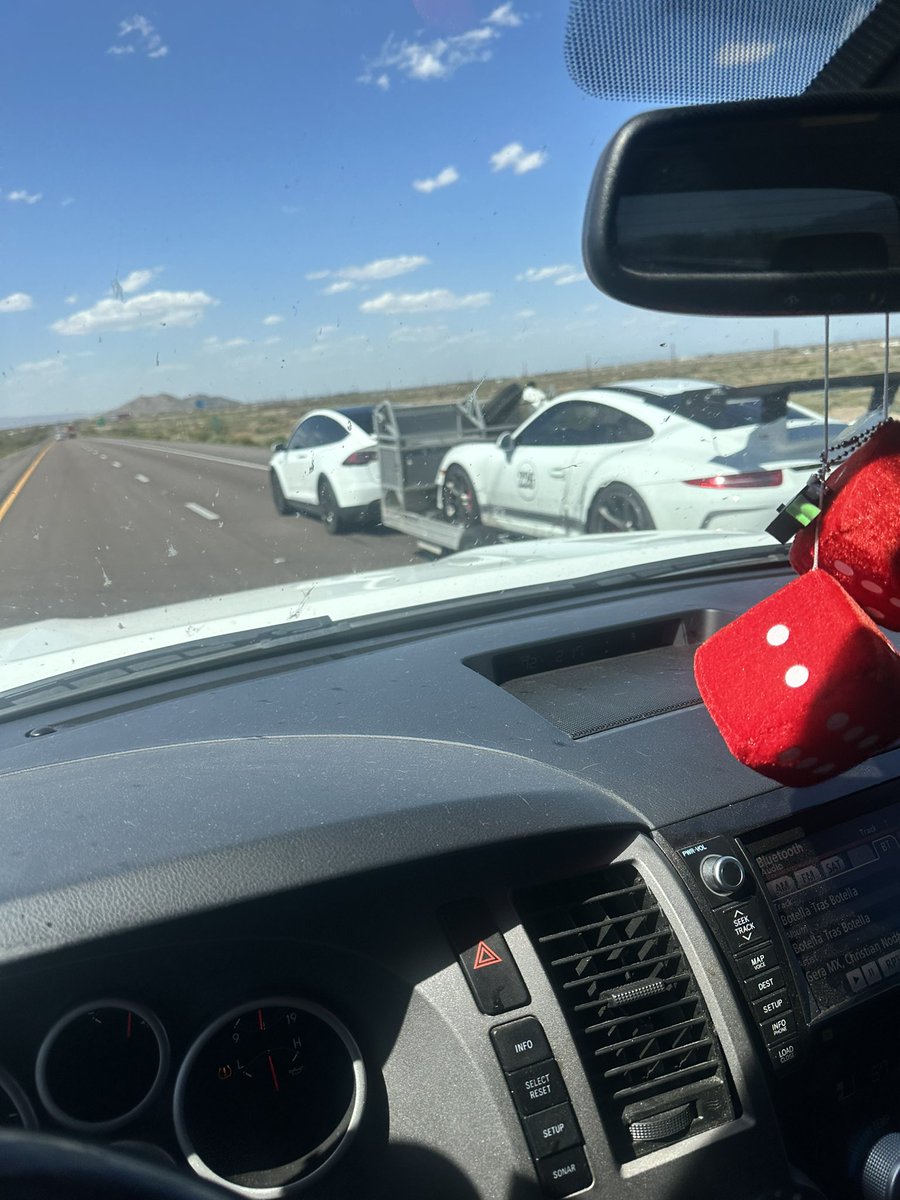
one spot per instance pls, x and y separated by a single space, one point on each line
294 295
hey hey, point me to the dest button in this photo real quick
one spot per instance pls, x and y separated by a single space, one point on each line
565 1173
538 1087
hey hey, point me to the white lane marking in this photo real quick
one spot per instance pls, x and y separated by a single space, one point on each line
228 462
115 464
103 456
142 479
202 512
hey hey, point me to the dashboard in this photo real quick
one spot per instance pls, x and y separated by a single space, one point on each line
477 910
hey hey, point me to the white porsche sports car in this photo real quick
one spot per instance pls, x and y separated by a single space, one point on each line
644 454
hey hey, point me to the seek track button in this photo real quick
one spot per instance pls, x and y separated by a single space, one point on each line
743 924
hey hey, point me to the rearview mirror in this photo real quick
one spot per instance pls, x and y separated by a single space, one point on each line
277 447
507 443
774 208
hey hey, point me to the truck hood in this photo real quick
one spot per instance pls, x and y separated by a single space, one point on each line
31 653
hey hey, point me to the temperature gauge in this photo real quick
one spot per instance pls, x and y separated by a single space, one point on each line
269 1095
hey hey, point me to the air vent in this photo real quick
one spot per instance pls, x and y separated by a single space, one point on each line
631 1001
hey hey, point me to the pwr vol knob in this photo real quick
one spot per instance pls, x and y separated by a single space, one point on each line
723 874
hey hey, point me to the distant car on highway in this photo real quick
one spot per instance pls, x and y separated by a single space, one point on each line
645 454
329 466
59 435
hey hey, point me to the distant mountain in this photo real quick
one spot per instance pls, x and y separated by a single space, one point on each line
162 404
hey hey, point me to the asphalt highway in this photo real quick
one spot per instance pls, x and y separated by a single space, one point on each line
94 527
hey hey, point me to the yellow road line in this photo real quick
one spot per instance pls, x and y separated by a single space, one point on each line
11 498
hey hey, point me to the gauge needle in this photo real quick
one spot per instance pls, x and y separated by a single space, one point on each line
274 1074
128 1027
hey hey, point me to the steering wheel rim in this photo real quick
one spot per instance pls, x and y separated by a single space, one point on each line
42 1166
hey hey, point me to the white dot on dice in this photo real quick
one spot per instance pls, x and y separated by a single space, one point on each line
852 734
870 586
867 742
825 769
788 756
796 676
806 763
778 635
837 721
876 613
844 568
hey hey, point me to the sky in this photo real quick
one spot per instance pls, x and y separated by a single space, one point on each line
266 199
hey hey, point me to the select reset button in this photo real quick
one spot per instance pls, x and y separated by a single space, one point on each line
538 1087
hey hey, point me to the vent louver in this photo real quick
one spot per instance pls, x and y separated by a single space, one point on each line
631 1001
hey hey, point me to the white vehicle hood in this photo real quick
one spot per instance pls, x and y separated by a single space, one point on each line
30 653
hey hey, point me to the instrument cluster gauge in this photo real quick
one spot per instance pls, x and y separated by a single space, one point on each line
15 1107
269 1096
101 1065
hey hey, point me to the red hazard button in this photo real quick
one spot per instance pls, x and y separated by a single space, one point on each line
485 958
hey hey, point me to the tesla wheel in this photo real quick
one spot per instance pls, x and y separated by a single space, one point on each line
278 495
333 517
618 509
458 502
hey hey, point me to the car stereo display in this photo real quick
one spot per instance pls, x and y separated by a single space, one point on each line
836 892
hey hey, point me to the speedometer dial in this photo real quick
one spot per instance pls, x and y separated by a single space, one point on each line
101 1065
268 1096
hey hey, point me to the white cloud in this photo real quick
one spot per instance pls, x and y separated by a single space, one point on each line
67 201
135 280
339 285
437 300
505 16
514 155
271 341
525 314
443 57
73 299
137 34
272 319
43 366
146 311
23 197
743 54
441 180
417 333
379 268
572 277
214 344
16 302
323 331
541 274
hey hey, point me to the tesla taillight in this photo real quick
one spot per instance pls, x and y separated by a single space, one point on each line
747 479
360 458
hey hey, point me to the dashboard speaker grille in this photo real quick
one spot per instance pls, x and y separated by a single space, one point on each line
631 1001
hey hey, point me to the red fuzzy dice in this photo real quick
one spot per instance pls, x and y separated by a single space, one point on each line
804 685
859 531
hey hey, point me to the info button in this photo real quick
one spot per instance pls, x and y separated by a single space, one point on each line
743 925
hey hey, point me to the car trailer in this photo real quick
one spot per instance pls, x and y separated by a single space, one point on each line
412 439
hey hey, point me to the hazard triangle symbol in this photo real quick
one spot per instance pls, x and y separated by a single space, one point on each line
485 957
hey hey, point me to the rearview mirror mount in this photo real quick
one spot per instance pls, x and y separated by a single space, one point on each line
773 208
